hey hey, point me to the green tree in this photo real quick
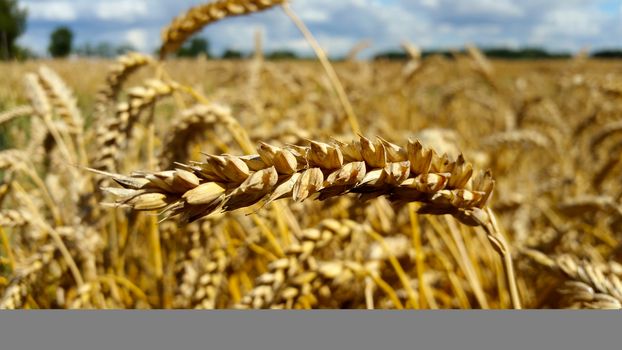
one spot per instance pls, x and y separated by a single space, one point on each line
282 55
391 55
231 54
608 53
194 48
12 25
61 42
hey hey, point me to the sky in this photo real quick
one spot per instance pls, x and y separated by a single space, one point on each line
558 25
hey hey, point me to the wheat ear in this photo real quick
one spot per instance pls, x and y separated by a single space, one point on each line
198 17
321 170
286 278
112 135
586 284
119 73
24 276
590 285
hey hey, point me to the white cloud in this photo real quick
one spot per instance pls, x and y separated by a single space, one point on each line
315 15
52 10
453 8
565 27
430 3
573 22
124 10
492 7
137 38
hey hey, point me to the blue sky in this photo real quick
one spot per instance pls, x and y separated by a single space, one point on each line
339 24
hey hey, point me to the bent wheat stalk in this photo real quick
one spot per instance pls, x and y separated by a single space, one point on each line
193 123
124 66
16 112
198 17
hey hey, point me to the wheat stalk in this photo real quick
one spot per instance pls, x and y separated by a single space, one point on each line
356 49
584 284
328 68
587 285
414 64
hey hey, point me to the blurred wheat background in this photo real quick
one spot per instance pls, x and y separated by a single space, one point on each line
445 181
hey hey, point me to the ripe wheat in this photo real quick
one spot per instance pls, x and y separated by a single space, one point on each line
322 170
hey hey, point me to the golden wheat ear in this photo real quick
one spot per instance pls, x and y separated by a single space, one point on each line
320 170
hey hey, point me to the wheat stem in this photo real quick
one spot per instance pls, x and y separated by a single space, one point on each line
328 68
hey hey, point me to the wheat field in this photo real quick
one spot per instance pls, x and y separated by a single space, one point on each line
439 182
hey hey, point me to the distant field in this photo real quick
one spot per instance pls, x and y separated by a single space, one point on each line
86 76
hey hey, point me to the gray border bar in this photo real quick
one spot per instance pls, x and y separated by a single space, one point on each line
341 330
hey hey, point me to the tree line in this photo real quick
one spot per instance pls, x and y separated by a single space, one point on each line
502 53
